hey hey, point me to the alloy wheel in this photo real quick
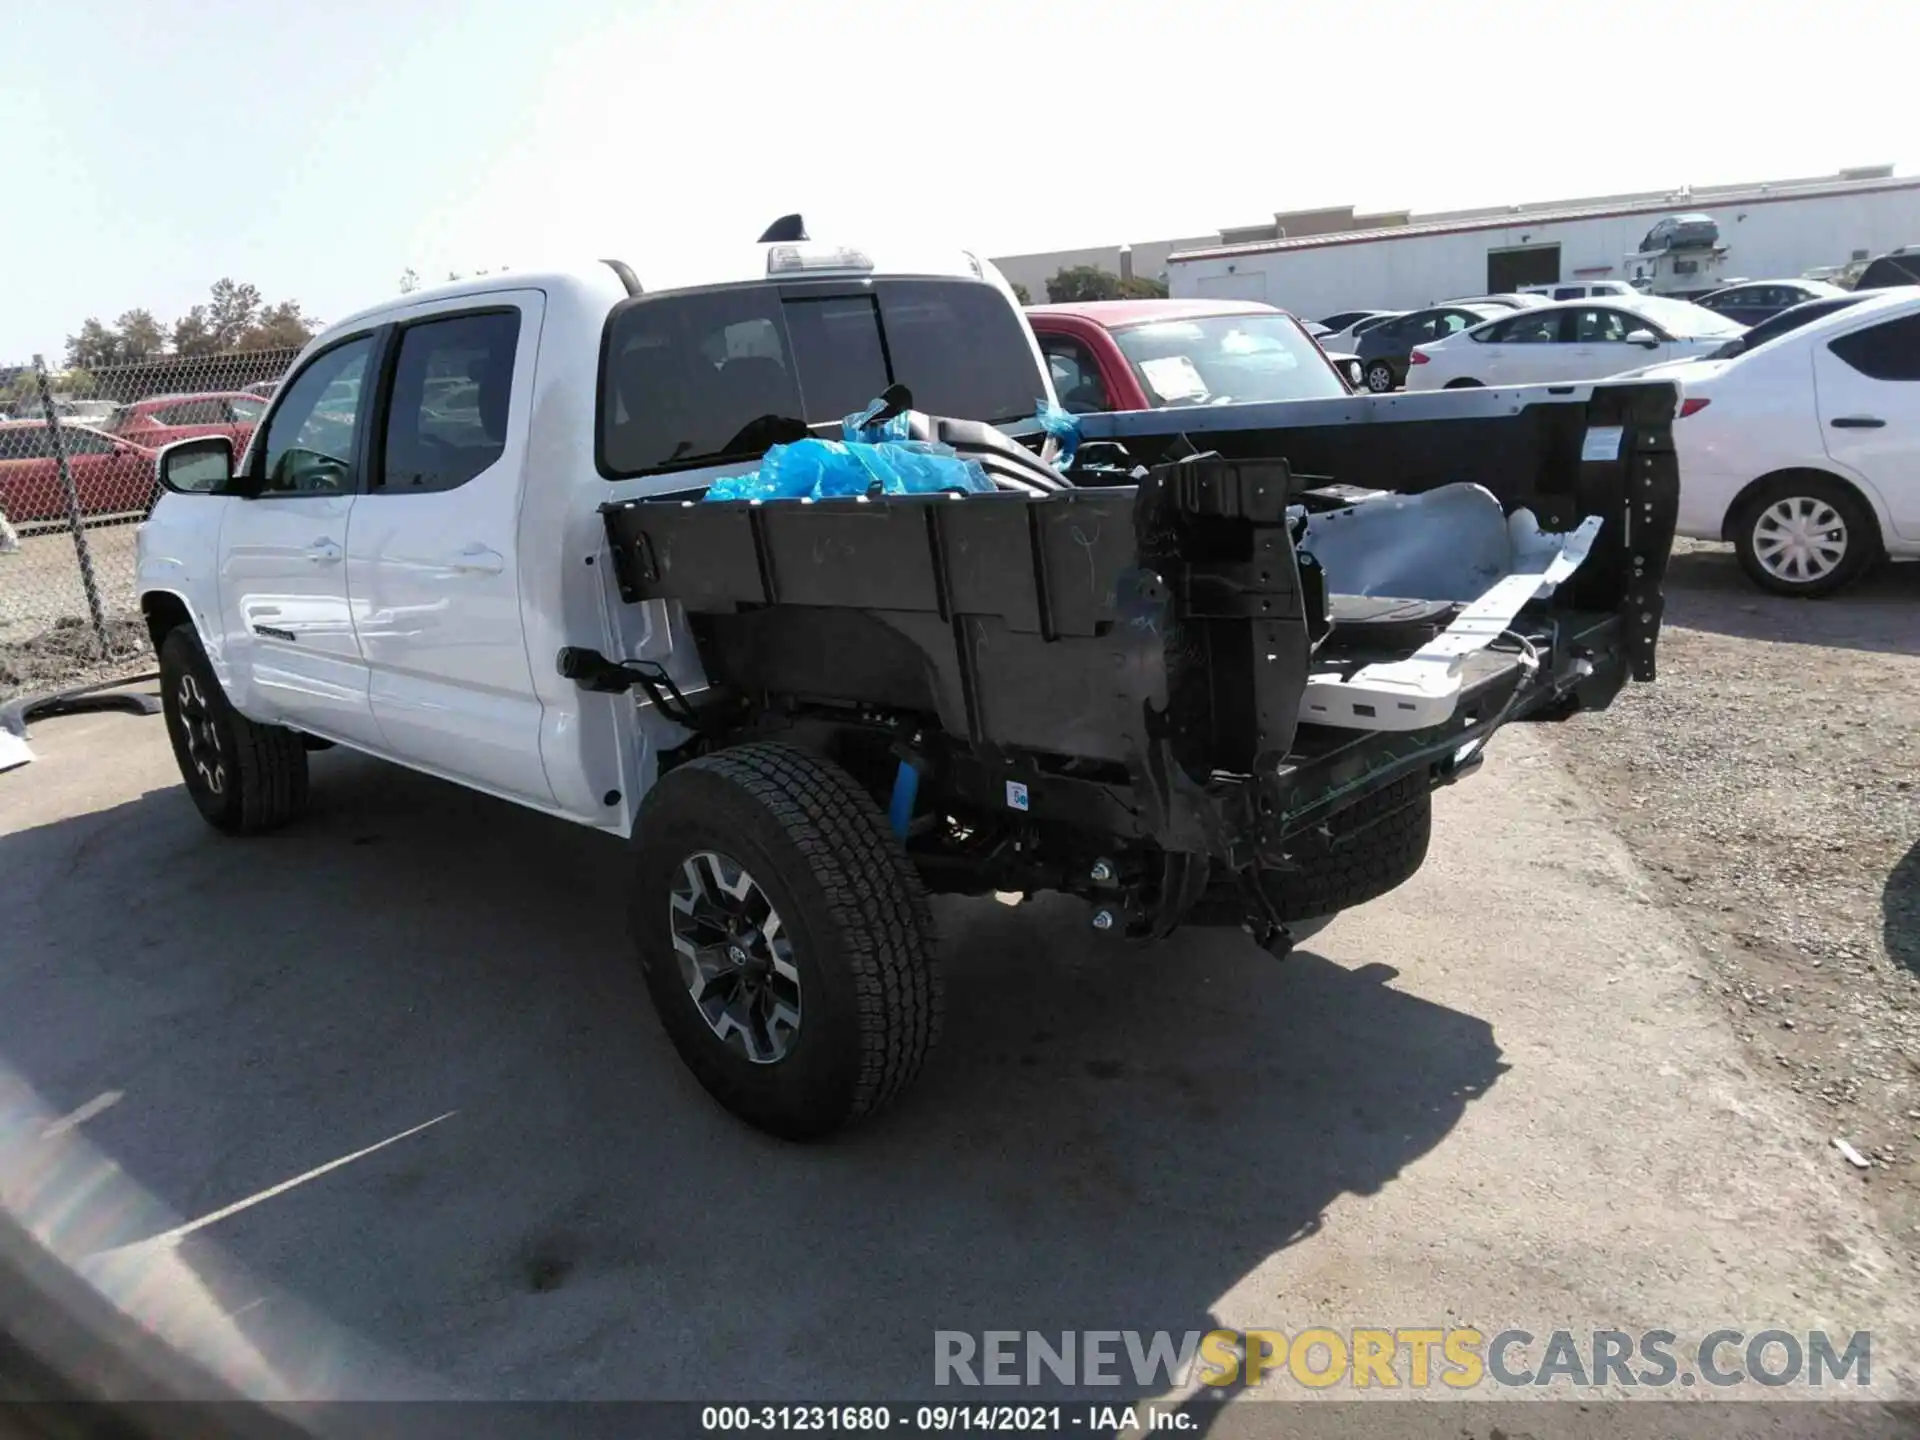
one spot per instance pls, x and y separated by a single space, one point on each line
735 957
195 720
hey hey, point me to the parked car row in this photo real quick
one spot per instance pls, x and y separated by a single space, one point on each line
110 475
1799 435
1565 340
110 450
1799 428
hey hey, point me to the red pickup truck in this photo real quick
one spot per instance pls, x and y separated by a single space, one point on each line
1148 354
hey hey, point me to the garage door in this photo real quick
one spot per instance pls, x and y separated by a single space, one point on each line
1508 270
1246 285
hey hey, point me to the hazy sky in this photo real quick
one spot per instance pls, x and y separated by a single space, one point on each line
319 147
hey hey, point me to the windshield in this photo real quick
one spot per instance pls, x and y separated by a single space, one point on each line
1684 319
1217 359
711 376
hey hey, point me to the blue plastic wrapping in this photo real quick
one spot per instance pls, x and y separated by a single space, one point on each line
1063 428
859 428
872 457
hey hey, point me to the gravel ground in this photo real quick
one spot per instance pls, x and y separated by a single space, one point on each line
1770 781
46 634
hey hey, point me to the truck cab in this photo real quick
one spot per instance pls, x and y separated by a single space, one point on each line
413 532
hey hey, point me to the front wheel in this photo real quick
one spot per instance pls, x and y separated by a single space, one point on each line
785 938
243 777
1380 377
1805 535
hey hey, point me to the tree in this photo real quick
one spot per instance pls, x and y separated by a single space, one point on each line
280 327
193 333
1082 282
234 317
94 346
409 280
141 337
233 312
21 393
1020 293
1089 282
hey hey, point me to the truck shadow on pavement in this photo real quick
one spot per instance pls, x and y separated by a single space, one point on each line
1110 1138
1707 590
1900 905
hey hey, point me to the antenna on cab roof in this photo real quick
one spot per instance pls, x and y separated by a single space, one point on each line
785 230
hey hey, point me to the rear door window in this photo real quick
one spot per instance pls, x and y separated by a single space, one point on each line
1602 327
960 348
1530 328
719 375
192 412
86 442
1887 351
452 387
26 443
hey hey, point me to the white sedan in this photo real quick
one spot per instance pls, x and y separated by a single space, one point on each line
1572 340
1805 450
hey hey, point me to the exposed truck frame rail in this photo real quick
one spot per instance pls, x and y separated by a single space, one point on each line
1109 681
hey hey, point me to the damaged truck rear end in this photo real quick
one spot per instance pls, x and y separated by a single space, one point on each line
1216 691
1205 690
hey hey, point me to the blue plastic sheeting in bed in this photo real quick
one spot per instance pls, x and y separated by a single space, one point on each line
1064 427
873 457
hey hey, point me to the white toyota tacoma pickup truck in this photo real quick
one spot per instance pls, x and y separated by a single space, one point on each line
1209 673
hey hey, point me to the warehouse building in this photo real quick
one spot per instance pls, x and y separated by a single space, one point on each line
1769 230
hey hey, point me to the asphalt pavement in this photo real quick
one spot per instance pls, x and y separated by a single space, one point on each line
392 1078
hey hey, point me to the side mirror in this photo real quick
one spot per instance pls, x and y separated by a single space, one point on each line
1645 339
201 466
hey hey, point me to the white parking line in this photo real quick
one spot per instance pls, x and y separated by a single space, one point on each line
105 1100
180 1232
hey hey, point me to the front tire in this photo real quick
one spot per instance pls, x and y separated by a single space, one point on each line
785 938
1805 535
1380 377
244 777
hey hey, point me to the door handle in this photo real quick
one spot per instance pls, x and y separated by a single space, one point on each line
324 552
477 559
1857 422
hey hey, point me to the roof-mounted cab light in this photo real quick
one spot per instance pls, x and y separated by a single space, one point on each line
784 259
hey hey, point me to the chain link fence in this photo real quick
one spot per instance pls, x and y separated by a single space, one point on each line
76 479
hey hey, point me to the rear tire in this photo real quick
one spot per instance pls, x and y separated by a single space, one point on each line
1380 377
244 777
1805 534
785 938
